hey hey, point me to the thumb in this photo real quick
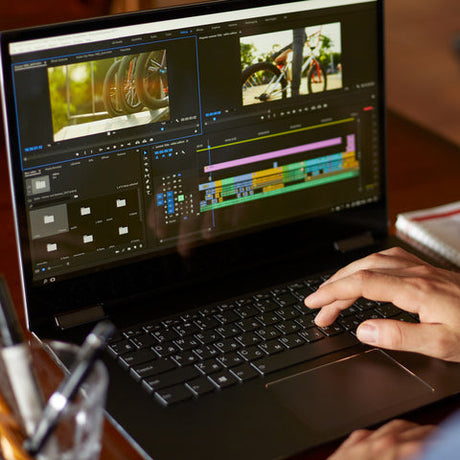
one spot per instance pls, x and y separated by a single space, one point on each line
426 338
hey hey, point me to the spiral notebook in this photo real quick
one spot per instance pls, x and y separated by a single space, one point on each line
436 228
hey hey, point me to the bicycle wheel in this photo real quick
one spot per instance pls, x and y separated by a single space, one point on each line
152 79
316 78
129 99
263 82
110 91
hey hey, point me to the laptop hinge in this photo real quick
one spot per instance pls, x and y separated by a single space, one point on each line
356 242
77 318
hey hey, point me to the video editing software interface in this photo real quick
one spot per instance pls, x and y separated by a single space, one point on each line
150 138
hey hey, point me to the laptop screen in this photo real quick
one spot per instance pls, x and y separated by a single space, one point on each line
159 134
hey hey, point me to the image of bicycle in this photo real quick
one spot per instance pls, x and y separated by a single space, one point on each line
108 94
272 79
135 82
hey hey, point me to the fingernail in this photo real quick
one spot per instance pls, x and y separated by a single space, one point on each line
309 300
367 333
318 318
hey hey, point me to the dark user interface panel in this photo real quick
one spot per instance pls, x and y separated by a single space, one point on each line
142 143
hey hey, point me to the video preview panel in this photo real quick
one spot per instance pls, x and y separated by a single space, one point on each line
267 63
102 95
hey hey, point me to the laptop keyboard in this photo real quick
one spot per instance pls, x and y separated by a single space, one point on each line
226 344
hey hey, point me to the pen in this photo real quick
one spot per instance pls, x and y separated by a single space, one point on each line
19 384
86 356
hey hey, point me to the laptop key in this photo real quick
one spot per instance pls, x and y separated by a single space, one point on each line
312 334
306 321
227 345
147 369
231 360
206 323
228 330
272 347
268 333
165 335
185 358
174 395
245 372
208 311
267 319
248 338
248 325
302 292
187 317
292 340
187 343
350 323
165 349
227 317
333 329
168 379
287 313
266 305
121 347
206 352
247 311
209 366
200 386
207 337
286 299
133 358
304 353
262 296
143 340
251 353
226 306
130 333
288 327
304 310
185 329
223 379
279 291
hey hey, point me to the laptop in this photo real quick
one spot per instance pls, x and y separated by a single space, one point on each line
192 174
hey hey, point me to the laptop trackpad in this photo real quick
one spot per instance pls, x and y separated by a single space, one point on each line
351 393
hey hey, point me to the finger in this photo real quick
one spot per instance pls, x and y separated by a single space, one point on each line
430 339
356 437
417 433
337 304
389 448
394 427
390 258
328 314
397 286
409 450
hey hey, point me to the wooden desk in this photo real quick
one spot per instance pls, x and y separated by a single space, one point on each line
424 170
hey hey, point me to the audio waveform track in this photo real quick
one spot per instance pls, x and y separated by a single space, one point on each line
281 179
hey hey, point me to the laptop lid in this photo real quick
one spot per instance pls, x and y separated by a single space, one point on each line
165 150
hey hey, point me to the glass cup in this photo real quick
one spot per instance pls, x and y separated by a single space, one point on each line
78 434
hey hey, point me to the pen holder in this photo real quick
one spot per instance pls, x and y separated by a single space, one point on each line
77 436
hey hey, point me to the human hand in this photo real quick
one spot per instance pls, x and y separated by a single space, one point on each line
396 276
396 440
